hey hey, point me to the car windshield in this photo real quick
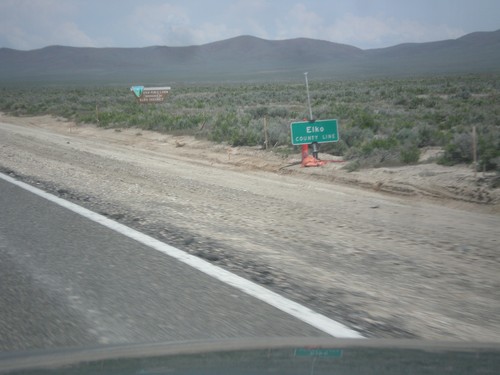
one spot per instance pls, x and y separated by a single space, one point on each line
177 171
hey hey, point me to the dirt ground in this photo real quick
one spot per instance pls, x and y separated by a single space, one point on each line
392 252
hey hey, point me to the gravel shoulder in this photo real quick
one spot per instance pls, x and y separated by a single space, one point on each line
392 252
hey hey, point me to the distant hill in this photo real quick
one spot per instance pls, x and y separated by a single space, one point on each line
247 58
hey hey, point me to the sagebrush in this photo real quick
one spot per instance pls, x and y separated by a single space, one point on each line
381 122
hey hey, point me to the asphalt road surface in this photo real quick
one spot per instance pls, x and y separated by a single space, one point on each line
67 281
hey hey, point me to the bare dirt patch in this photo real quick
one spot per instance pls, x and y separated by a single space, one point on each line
393 252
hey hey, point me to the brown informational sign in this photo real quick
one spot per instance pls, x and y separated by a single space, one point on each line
150 94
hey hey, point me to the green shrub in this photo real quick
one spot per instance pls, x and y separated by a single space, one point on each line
355 136
366 120
458 150
352 166
278 132
489 153
379 144
410 155
380 121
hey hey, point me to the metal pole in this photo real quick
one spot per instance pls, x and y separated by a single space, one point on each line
308 98
266 137
474 150
315 145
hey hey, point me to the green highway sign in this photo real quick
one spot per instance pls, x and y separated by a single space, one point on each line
320 131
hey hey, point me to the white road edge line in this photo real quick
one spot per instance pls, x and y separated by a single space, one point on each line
290 307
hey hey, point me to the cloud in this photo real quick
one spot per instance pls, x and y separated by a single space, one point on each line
299 22
360 31
34 24
68 33
247 8
248 17
210 32
160 24
381 32
28 24
167 24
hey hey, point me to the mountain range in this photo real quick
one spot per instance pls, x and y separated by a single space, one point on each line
247 58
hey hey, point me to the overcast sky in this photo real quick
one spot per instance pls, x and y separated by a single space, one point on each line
31 24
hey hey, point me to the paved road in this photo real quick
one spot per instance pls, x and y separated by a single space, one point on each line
67 281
